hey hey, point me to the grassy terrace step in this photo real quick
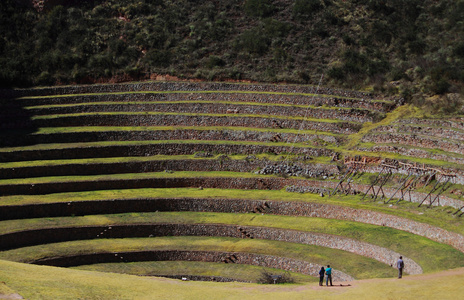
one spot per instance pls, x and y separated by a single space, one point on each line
149 175
193 270
105 133
347 262
115 165
272 158
90 129
143 148
449 123
426 136
224 96
147 148
186 119
435 131
432 157
61 234
436 216
219 257
148 86
288 208
211 107
58 184
421 141
428 254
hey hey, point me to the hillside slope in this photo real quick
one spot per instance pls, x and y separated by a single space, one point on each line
415 43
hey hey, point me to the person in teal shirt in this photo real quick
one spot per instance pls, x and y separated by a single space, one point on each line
328 272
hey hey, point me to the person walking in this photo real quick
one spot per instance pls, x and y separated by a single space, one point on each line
400 266
328 272
321 276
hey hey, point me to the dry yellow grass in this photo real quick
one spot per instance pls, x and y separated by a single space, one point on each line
42 282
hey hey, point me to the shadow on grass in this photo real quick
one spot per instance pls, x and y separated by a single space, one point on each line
16 123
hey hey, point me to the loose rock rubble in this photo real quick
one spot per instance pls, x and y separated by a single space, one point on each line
309 171
306 189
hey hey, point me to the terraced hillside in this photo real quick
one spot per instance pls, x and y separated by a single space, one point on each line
216 181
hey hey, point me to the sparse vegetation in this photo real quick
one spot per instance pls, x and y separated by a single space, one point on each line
355 44
268 277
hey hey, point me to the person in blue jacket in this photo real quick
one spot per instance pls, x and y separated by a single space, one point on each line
328 272
321 276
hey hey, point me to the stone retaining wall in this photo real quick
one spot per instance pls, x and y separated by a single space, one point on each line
417 153
415 141
165 148
450 123
292 99
221 164
261 260
305 209
172 119
53 235
416 197
167 135
439 132
355 115
92 184
186 86
261 183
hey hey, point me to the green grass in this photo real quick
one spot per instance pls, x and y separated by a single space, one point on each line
429 254
398 125
341 149
436 216
166 268
200 92
50 130
43 282
355 265
398 113
192 102
447 140
139 143
391 155
134 159
132 176
306 119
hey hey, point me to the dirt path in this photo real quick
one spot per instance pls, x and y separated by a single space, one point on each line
7 293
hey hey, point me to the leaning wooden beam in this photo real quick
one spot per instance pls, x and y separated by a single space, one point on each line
410 186
434 188
459 210
444 187
346 189
373 184
341 180
401 186
384 181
